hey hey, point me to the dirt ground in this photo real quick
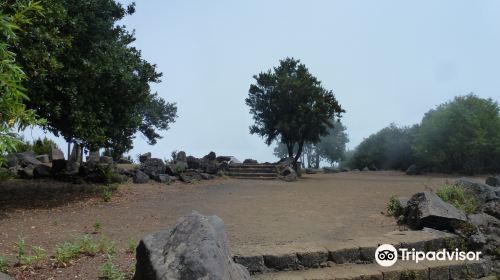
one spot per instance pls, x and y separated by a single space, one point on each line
317 207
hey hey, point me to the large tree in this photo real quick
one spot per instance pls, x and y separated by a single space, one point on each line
289 104
85 77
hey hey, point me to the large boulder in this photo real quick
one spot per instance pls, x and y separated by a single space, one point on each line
11 160
42 171
493 181
43 158
482 192
234 160
190 176
144 157
193 163
412 170
181 156
223 158
288 174
153 167
26 172
140 177
196 248
250 161
55 153
210 156
27 158
426 209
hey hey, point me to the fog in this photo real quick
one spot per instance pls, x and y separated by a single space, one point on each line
386 61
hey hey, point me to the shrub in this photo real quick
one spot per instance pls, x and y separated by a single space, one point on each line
394 207
68 251
97 226
458 197
109 271
39 146
3 264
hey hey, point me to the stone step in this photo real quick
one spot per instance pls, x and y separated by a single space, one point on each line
402 270
296 256
260 175
240 165
253 178
252 170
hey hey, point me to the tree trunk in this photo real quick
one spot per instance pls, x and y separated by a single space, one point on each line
297 156
290 149
317 160
69 148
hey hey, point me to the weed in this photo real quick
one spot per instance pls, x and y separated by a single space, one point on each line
87 246
38 255
394 207
66 252
131 244
4 264
458 197
106 195
109 271
97 226
21 254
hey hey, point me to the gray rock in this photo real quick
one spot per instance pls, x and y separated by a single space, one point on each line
234 160
206 176
11 161
75 153
58 165
366 169
26 172
55 153
223 158
72 167
493 181
144 157
250 161
181 156
329 170
210 156
43 158
492 208
196 248
190 176
94 156
311 171
4 276
193 163
426 209
140 177
482 192
27 158
123 160
210 166
412 170
164 178
153 167
288 174
42 171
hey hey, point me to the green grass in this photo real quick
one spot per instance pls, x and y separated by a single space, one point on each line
109 271
68 251
458 197
131 245
97 226
4 264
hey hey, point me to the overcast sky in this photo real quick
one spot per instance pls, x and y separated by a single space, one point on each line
386 61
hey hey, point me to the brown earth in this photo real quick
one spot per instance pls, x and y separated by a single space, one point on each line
317 207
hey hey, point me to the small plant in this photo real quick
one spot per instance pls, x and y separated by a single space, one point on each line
97 226
131 244
66 252
106 195
105 246
458 197
109 271
87 246
21 253
394 207
38 255
4 264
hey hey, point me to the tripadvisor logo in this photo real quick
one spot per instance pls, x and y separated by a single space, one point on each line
387 255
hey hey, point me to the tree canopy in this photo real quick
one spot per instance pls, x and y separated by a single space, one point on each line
86 79
289 104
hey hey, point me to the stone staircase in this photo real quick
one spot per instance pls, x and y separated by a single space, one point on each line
252 171
354 259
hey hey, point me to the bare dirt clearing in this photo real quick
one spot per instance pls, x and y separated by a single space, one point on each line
317 207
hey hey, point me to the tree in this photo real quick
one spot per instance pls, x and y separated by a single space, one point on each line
290 105
86 79
462 135
13 112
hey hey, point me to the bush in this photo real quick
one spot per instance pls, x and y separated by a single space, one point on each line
40 146
458 197
394 208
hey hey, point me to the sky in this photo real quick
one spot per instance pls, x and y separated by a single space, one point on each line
386 61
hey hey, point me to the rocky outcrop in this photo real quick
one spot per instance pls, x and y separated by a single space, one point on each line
144 157
482 192
140 177
493 181
196 248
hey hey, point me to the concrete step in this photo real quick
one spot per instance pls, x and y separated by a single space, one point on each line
236 174
427 270
297 256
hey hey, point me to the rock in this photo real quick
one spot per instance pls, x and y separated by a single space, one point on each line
288 174
26 172
4 276
210 166
124 160
190 176
55 153
224 166
94 156
58 165
223 158
403 201
196 248
250 161
106 159
493 181
164 178
329 170
366 168
492 208
482 192
27 158
193 163
170 169
311 171
11 160
206 176
42 171
43 158
210 156
144 157
181 156
140 177
75 153
72 167
344 169
412 170
153 167
426 209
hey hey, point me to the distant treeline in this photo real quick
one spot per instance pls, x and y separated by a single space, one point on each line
462 135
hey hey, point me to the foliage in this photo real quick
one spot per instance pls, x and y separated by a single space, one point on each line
109 271
97 226
39 146
330 147
4 265
462 135
458 197
86 78
289 104
68 251
389 148
13 112
394 207
106 195
25 257
131 245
